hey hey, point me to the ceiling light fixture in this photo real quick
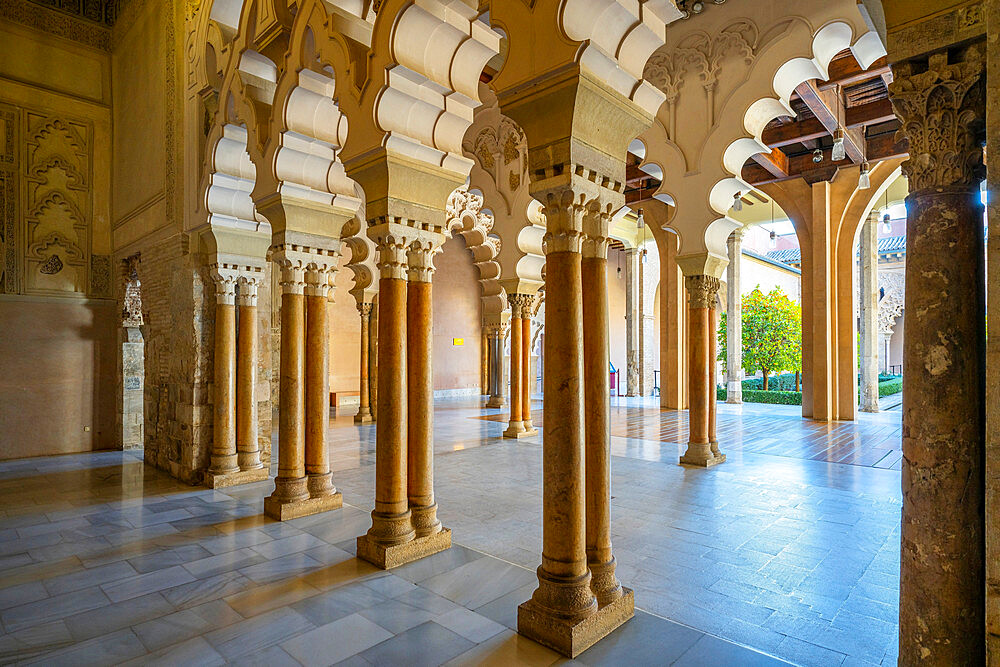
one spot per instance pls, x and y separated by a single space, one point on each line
773 241
697 7
886 220
738 201
818 155
863 181
839 152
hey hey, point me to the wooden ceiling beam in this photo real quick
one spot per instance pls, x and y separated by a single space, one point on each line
880 147
847 72
872 113
775 162
822 103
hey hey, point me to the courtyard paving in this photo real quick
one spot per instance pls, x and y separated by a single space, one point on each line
790 549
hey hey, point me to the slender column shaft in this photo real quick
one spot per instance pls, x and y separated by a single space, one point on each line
713 366
563 577
869 314
420 408
484 364
391 516
290 484
224 458
364 411
702 290
247 446
373 361
734 320
597 398
516 424
632 326
526 380
496 368
317 391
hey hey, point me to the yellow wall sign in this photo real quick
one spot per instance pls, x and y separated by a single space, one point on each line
458 341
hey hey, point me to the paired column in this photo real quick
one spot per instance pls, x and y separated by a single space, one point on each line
702 292
565 611
484 363
304 483
527 378
734 320
364 415
520 361
597 402
235 457
632 324
943 570
869 333
404 521
497 334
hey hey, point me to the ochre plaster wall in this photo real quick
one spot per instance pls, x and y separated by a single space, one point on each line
457 314
56 389
58 336
345 333
616 314
756 273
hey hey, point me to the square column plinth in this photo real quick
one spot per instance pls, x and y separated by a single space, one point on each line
388 557
284 511
573 638
235 478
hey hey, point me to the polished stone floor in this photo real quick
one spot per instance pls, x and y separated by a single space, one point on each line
105 560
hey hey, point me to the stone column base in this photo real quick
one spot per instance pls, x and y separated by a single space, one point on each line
293 509
696 456
573 638
388 557
515 430
496 402
363 418
223 480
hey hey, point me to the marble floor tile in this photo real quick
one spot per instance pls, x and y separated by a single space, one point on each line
469 624
195 651
336 641
53 608
147 583
423 646
181 626
257 633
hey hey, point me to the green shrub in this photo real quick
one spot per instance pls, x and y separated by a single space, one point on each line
783 382
761 396
890 387
882 377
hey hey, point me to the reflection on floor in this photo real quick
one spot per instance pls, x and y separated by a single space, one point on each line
105 560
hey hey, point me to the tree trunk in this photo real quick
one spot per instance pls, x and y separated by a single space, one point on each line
765 380
798 381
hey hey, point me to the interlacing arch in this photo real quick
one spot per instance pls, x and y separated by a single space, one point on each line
466 217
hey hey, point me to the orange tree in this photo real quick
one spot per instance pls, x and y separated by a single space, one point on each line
772 333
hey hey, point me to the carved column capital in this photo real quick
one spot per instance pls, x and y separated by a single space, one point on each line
225 277
943 109
248 283
420 260
596 225
521 304
365 309
703 290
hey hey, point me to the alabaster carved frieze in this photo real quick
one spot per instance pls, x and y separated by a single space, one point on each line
892 285
943 110
703 290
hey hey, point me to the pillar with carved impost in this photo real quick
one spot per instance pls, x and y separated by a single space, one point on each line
527 379
223 457
290 485
497 333
597 401
319 271
364 415
515 425
702 291
734 320
392 538
941 102
248 458
420 393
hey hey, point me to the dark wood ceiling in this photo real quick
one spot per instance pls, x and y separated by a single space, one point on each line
853 100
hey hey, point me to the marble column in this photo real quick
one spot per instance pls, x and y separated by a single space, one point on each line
497 336
563 595
941 103
515 425
734 320
868 358
317 389
597 401
247 442
223 458
420 392
290 485
484 363
527 379
702 291
373 360
632 324
713 399
364 415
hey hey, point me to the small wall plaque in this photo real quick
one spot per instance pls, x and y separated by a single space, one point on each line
457 341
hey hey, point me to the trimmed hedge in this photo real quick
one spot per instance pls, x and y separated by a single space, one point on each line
890 387
761 396
783 382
